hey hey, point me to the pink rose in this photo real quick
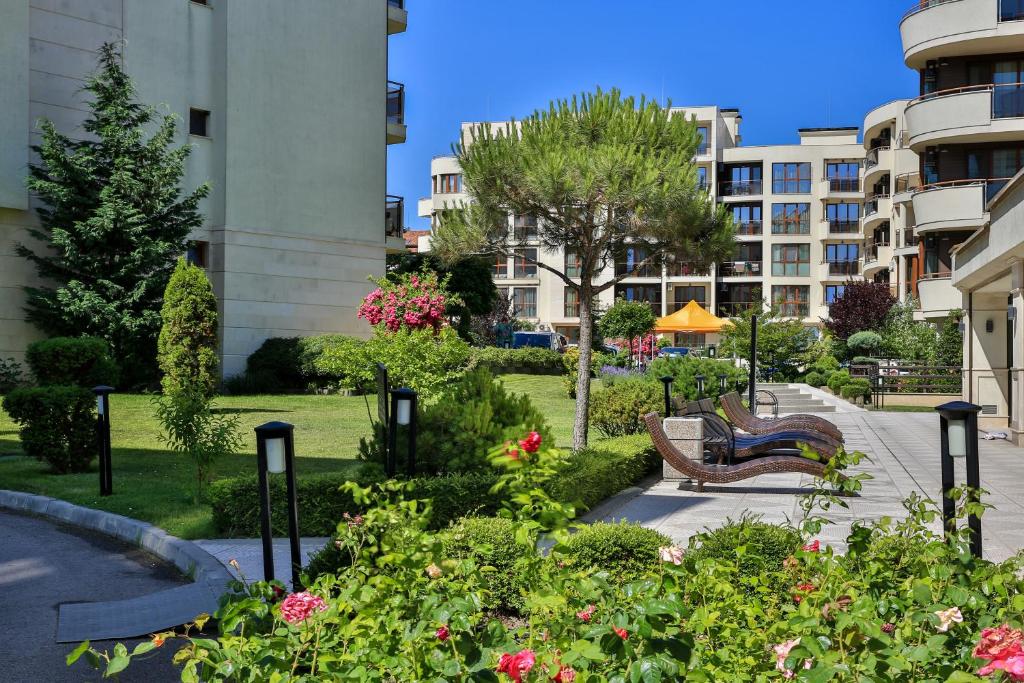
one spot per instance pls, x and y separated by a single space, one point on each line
298 607
515 666
586 614
812 547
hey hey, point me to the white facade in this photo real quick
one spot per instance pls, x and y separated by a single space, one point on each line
800 262
300 113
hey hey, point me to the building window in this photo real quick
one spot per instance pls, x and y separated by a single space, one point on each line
526 263
525 228
570 332
524 302
791 219
741 180
791 260
200 2
649 293
573 264
633 256
792 178
702 177
1011 10
747 219
683 295
843 176
841 253
702 147
690 340
448 183
842 218
198 253
500 265
571 299
833 292
199 122
792 300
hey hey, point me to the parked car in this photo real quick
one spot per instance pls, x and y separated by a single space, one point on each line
539 340
674 351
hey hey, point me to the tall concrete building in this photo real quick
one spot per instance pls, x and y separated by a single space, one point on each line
289 111
797 212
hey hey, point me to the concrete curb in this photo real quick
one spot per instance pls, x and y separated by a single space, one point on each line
202 567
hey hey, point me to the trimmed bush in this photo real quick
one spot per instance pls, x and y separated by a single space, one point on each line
626 551
57 425
77 361
815 379
619 411
867 343
187 345
10 375
756 548
826 365
587 478
275 367
685 369
339 362
530 361
857 387
491 542
837 380
420 359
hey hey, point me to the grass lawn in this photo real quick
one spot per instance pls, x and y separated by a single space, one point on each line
155 485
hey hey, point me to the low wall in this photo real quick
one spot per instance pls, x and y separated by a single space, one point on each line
921 400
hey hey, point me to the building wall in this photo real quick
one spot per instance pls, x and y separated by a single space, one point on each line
295 154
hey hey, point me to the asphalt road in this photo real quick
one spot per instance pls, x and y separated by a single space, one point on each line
44 564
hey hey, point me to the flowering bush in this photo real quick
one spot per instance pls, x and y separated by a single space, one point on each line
413 302
904 604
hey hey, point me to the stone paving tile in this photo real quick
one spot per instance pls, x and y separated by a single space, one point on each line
903 458
248 553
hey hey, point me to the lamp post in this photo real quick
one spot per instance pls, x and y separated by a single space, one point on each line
712 351
880 385
275 454
958 424
700 385
667 381
103 438
723 380
751 388
403 413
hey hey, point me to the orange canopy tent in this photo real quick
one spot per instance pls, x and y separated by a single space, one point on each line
691 318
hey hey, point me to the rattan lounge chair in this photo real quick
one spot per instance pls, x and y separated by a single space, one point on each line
737 413
718 474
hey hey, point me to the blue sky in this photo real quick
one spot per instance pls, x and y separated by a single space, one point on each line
786 64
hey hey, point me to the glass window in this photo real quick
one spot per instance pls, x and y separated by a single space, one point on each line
843 176
1008 97
793 178
791 260
702 147
833 292
633 256
525 228
500 265
198 253
836 253
524 302
199 122
742 180
1011 10
649 293
683 295
843 217
571 299
572 264
747 218
791 219
448 183
792 300
702 177
526 265
690 340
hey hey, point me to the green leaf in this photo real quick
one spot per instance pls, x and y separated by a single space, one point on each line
117 665
76 653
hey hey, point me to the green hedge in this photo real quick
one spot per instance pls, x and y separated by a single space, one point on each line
626 551
57 425
589 477
75 361
528 361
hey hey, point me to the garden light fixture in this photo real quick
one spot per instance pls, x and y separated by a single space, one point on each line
275 454
667 381
752 382
958 425
712 351
103 438
700 385
723 382
403 413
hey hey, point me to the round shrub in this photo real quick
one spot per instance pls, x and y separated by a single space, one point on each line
10 375
420 359
626 551
341 362
619 410
837 380
857 387
826 365
764 546
491 542
57 425
77 361
187 345
815 379
684 370
865 343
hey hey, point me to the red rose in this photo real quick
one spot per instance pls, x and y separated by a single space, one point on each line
812 547
621 632
516 665
443 633
586 614
531 444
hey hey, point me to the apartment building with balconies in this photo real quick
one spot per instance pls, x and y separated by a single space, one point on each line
796 210
967 126
289 110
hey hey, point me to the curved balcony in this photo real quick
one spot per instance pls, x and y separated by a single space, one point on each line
954 205
877 210
396 113
938 296
954 28
977 113
877 163
905 187
876 258
882 117
398 17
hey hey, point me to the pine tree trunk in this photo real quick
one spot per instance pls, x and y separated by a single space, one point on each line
581 426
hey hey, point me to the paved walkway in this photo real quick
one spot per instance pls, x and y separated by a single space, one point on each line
44 565
248 553
903 450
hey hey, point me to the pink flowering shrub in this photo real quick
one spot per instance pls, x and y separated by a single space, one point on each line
298 607
414 302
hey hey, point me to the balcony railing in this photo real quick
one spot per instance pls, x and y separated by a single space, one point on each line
992 185
732 309
1007 98
843 227
748 228
1009 10
396 102
870 207
871 160
740 269
702 149
394 212
400 4
843 267
909 239
907 182
740 188
843 184
687 269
